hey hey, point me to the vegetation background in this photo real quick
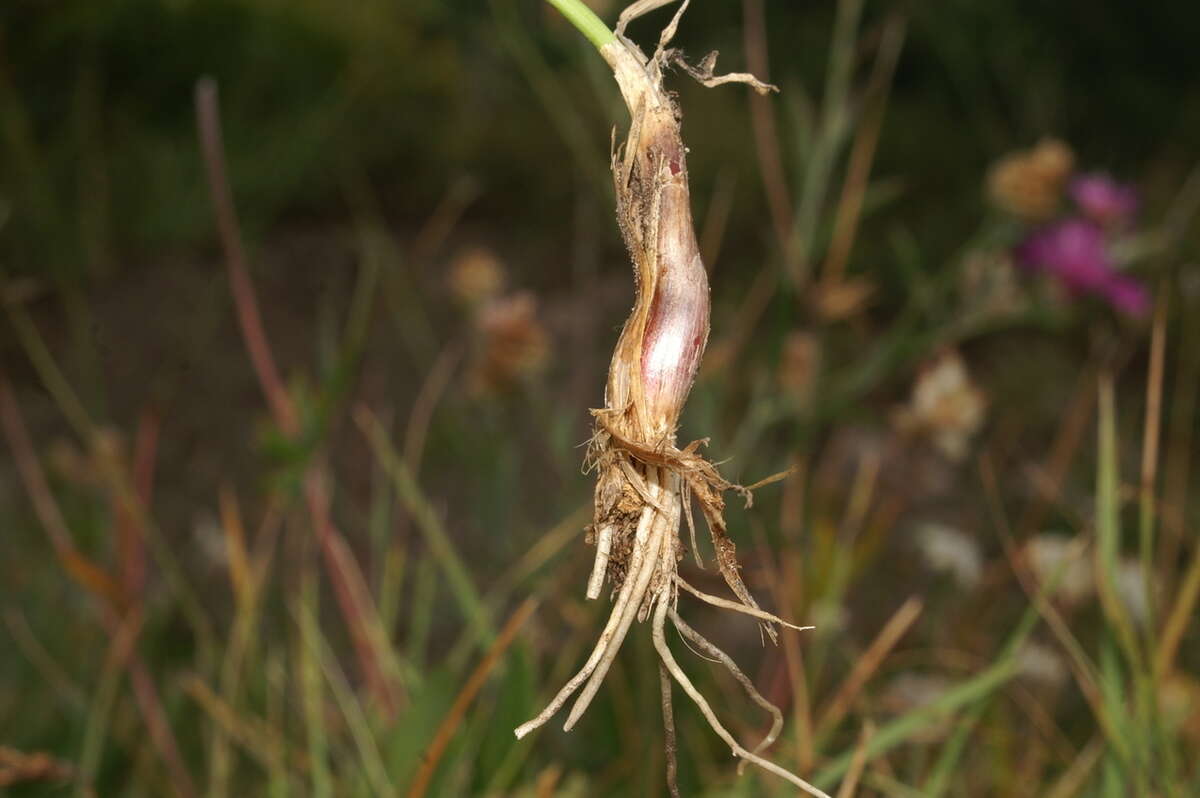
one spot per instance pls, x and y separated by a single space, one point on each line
306 519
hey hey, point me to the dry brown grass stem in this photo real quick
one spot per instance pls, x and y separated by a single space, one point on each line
208 120
862 152
766 138
449 725
867 664
857 763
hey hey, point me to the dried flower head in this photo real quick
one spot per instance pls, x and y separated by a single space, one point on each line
946 406
1056 560
951 551
476 276
841 299
1029 183
512 343
1041 664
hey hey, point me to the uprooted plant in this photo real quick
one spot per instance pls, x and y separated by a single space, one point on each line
645 482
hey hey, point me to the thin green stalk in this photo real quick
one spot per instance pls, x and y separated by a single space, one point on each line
423 598
427 520
1108 528
99 716
968 693
365 740
835 122
947 765
585 21
903 728
311 691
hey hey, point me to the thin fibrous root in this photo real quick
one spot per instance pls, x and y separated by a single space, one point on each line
607 636
726 604
703 73
664 652
709 648
669 742
691 522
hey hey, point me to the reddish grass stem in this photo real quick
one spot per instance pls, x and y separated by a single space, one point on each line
349 585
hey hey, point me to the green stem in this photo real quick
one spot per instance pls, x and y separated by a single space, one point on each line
587 22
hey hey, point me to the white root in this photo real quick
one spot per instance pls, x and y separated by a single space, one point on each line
600 564
664 652
715 654
736 606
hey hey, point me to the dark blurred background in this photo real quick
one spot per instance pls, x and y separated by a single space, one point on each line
232 602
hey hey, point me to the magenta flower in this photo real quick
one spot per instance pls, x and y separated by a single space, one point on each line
1103 199
1074 252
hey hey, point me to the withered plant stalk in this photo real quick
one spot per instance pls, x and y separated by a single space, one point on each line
645 482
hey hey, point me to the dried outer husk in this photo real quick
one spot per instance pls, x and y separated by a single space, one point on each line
661 345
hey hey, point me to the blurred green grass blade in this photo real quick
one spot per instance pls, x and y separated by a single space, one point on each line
312 695
391 585
100 709
1108 526
1132 710
978 688
555 97
421 618
279 777
903 728
459 580
947 764
351 708
831 138
72 408
1112 688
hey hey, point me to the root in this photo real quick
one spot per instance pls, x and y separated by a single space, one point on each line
726 604
669 743
691 522
651 585
608 635
719 656
639 576
600 564
664 652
